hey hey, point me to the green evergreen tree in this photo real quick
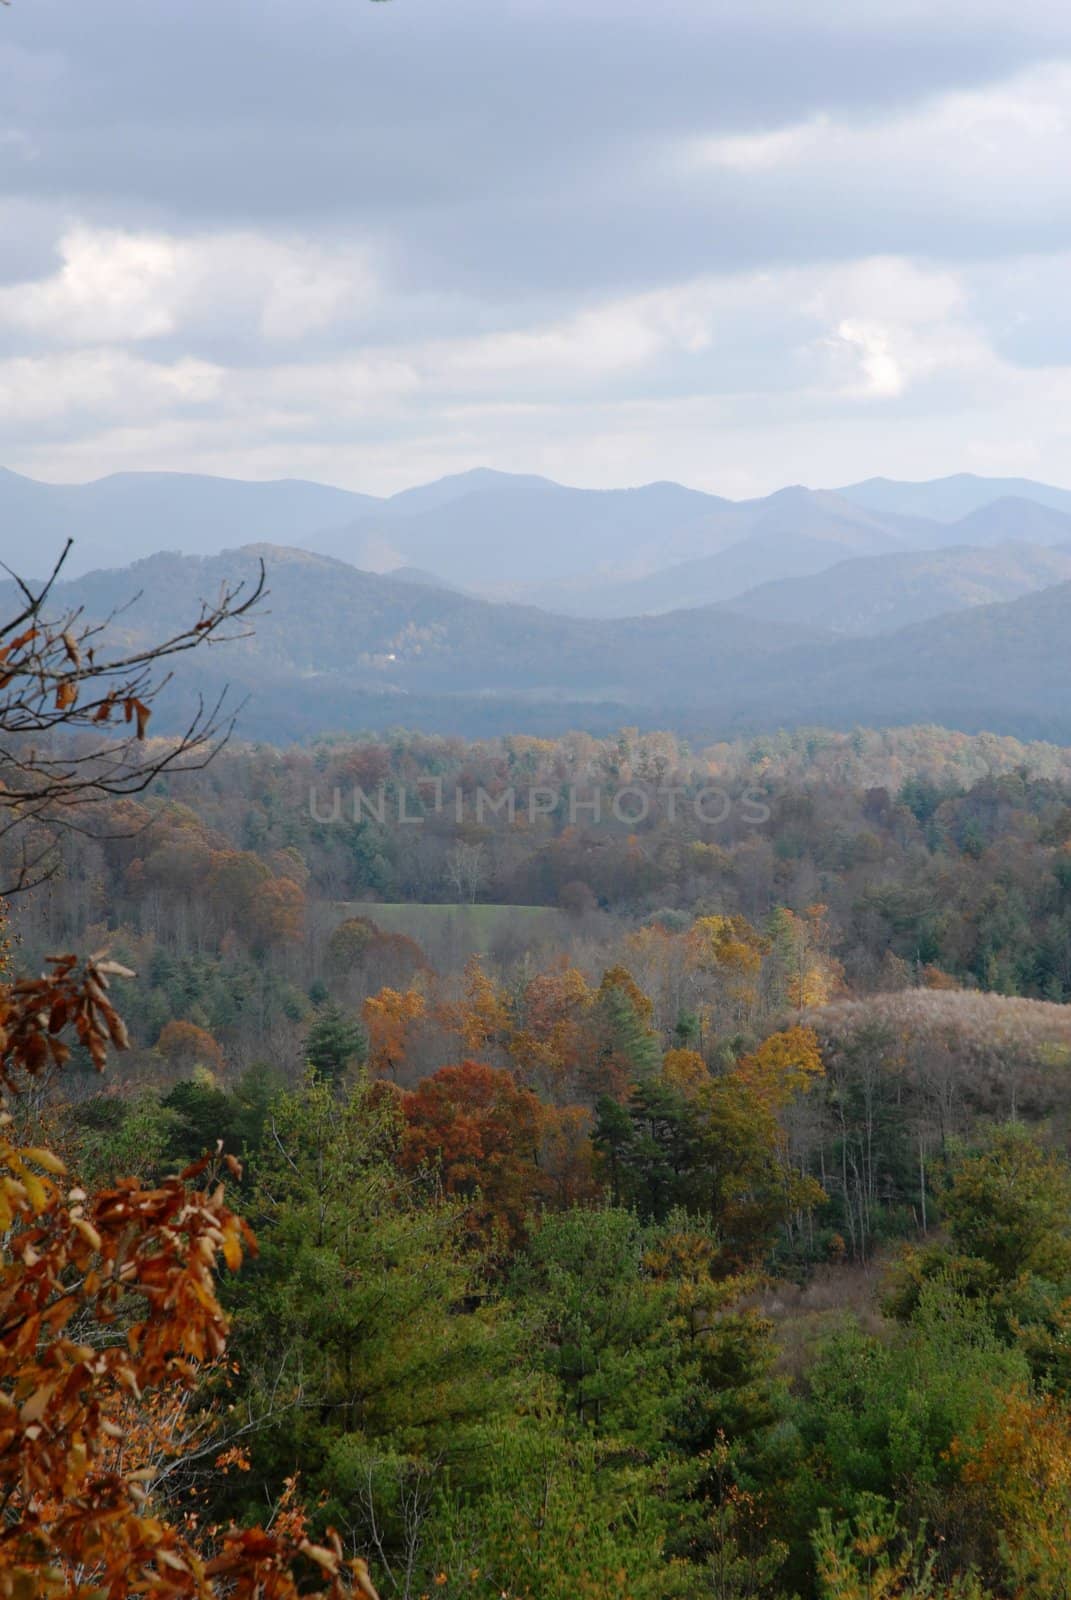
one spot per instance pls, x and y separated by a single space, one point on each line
334 1042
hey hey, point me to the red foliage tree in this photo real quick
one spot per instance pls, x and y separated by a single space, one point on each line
481 1133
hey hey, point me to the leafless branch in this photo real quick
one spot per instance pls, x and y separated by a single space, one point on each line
74 714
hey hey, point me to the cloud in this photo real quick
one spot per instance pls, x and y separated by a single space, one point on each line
98 385
128 287
735 244
798 339
977 164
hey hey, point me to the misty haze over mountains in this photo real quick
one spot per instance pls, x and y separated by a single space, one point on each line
620 551
489 601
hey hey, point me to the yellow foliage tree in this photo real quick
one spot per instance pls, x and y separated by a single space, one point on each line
784 1065
1023 1465
685 1070
483 1018
389 1017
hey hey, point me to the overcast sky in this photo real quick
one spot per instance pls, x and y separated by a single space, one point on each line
739 243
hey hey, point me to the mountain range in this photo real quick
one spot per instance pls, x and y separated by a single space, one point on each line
488 601
336 649
610 553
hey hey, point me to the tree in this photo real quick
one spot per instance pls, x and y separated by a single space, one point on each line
74 716
465 870
638 1327
334 1042
184 1046
551 1043
390 1017
625 1047
685 1071
605 1324
483 1018
871 1557
752 1189
78 1268
785 1065
899 1420
562 1516
73 1268
650 1148
348 944
1023 1465
1008 1208
367 1349
480 1133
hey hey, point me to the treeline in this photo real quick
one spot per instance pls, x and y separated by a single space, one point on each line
927 848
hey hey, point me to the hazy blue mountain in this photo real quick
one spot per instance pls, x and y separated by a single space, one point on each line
1012 518
512 532
328 630
339 649
1005 668
611 552
789 534
950 499
127 516
879 594
430 496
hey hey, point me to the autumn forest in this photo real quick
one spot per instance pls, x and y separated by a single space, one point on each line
659 1208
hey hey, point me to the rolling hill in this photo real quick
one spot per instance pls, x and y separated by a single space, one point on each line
328 636
1004 668
339 649
879 594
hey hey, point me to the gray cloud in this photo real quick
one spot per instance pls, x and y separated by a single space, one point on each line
735 242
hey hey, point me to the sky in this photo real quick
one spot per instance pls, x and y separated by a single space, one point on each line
735 243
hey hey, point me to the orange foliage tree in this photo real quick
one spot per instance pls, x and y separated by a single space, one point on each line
480 1132
482 1019
106 1298
390 1017
1022 1464
185 1046
552 1041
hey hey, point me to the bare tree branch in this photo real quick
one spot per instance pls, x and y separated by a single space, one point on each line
74 715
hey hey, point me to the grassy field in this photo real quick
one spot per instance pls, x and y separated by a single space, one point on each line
459 931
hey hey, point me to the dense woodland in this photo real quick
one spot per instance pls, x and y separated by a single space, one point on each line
663 1208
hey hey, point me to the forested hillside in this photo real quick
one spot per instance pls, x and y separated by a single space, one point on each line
880 594
664 1198
336 648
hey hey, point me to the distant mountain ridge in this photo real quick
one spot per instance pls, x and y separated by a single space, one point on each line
122 518
882 593
611 553
827 534
329 637
950 499
337 649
